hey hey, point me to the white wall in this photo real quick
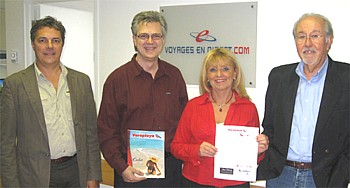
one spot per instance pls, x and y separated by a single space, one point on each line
275 44
113 42
78 50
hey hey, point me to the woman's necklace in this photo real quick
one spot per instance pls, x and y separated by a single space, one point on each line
221 105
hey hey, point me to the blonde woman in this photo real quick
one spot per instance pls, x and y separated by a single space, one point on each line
223 101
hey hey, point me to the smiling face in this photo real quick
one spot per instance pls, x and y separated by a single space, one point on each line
312 42
221 75
47 46
149 49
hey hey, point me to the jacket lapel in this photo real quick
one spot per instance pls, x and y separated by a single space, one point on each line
290 88
31 88
72 83
332 90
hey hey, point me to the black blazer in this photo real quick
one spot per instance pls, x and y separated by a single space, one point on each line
330 151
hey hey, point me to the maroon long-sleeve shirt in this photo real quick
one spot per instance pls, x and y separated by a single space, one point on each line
132 99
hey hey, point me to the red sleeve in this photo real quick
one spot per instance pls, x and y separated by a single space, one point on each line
181 146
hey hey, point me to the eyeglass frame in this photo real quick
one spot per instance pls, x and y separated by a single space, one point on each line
312 37
146 36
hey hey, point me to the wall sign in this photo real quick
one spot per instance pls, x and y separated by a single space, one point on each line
193 30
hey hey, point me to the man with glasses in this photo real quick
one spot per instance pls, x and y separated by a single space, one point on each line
146 93
307 114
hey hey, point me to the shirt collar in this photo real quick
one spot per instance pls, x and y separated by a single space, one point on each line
205 98
320 73
40 74
138 70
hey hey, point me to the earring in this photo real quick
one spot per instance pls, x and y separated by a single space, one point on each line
208 83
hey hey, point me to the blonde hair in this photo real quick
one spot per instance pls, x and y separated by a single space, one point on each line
220 55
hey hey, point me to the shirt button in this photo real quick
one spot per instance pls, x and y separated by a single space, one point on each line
326 151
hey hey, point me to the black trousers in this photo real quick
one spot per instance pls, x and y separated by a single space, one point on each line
173 169
65 174
188 183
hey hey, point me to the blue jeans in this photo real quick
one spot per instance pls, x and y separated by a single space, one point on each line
293 177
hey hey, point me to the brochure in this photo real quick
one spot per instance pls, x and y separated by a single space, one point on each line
146 152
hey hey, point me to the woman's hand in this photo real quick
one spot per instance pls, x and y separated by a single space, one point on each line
207 150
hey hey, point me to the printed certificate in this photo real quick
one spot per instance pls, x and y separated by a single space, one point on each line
236 158
146 152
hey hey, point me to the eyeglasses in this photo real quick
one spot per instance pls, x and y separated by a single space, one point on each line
215 69
154 36
313 38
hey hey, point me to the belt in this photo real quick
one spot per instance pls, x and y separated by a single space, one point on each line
167 154
299 165
63 159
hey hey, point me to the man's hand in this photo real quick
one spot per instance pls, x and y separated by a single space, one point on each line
263 143
93 184
129 175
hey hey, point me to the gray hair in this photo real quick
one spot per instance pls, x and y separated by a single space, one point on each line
147 17
327 24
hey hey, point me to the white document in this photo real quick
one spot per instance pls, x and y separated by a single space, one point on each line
236 158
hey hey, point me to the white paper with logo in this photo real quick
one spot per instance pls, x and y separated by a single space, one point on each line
236 158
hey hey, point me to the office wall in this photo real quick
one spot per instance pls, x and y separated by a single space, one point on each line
113 42
275 44
15 29
3 67
2 29
113 46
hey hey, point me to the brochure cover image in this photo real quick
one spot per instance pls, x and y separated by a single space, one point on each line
146 152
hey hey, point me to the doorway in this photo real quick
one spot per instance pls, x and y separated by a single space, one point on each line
78 50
